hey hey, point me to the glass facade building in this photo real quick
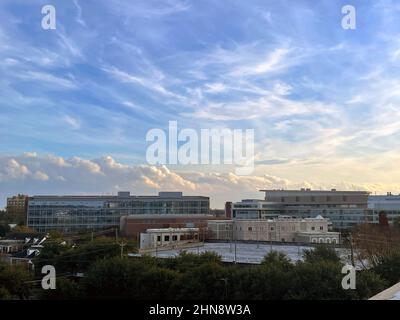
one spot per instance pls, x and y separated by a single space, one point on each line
79 213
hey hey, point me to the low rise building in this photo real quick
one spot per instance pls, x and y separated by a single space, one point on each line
168 238
131 226
281 229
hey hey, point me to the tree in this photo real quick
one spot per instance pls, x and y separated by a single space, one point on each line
4 229
369 284
204 282
278 259
321 253
396 223
317 280
65 289
389 268
13 281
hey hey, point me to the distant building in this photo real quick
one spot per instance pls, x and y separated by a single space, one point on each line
131 226
17 207
79 213
388 205
256 209
21 251
281 229
168 238
345 209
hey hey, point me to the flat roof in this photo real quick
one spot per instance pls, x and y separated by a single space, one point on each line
308 191
113 197
168 216
164 230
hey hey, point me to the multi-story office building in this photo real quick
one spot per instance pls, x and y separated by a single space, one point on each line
17 207
344 209
388 205
255 209
74 213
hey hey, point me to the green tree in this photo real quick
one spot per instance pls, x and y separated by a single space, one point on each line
4 229
206 281
389 268
317 280
321 253
278 259
66 289
368 283
396 223
14 281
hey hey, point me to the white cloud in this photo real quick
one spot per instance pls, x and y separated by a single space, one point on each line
73 122
75 175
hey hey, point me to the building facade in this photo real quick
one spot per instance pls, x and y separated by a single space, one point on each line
345 209
17 208
168 238
80 213
281 229
132 226
388 205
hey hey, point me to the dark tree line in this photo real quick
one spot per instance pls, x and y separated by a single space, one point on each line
191 276
107 275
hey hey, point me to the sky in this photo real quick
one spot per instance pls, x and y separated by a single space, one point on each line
77 102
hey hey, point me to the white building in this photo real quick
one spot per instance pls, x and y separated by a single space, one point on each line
166 238
281 229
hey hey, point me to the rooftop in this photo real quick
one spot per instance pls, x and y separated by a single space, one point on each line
304 190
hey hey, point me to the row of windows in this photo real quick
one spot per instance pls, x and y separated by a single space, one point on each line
135 204
327 199
119 212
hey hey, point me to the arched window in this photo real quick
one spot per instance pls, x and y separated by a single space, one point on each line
321 240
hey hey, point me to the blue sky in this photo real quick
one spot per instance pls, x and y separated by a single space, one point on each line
323 100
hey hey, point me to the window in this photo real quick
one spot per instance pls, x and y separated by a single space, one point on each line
158 238
312 228
174 238
166 238
250 229
321 228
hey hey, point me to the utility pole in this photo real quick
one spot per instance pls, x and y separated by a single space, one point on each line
225 280
351 249
122 244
